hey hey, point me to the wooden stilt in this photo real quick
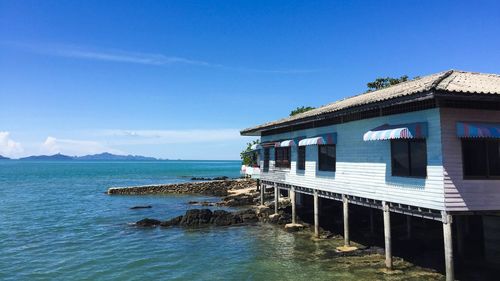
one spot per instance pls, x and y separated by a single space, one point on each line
387 235
347 240
448 246
262 188
276 199
316 214
294 207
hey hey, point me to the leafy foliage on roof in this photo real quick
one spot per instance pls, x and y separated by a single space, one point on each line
384 82
301 109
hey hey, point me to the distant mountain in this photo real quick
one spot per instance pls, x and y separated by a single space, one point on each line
4 158
56 157
108 157
96 157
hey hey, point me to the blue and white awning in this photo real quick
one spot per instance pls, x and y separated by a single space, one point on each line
403 131
478 130
323 139
287 143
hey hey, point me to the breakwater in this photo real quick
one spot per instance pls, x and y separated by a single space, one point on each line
212 188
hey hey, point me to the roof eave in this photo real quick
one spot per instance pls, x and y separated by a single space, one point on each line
257 131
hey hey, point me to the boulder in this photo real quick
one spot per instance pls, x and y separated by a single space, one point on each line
222 218
148 222
141 207
196 217
202 203
247 216
172 222
293 227
205 217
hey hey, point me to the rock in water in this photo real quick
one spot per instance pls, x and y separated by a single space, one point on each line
172 222
293 227
196 217
141 207
247 216
205 217
222 218
148 222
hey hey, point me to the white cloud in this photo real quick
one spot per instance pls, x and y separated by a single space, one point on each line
113 55
9 147
74 147
131 137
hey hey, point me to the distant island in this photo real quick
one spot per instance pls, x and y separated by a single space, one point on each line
95 157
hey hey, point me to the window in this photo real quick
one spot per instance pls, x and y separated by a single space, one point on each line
282 159
409 158
481 158
266 159
326 157
301 158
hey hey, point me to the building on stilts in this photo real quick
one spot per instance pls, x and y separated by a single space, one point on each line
427 149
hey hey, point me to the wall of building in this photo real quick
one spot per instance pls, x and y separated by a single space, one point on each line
460 194
364 168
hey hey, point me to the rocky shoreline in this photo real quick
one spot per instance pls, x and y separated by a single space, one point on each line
211 188
243 193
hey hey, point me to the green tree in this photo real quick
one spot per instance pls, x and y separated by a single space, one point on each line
248 158
385 82
300 109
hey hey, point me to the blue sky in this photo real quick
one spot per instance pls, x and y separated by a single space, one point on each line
178 79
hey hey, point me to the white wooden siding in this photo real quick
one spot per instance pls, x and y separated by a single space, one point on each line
364 168
460 194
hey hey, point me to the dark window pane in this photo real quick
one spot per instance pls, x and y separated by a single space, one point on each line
282 157
326 157
301 158
400 158
494 157
474 158
418 158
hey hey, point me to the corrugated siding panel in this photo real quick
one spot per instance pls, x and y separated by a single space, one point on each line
460 194
364 168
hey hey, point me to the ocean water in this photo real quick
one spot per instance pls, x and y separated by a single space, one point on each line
56 223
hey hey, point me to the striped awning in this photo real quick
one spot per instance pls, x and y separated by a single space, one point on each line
403 131
478 130
286 143
323 139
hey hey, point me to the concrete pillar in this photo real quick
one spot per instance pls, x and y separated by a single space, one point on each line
347 240
387 235
262 188
276 199
294 207
372 222
448 246
408 227
316 214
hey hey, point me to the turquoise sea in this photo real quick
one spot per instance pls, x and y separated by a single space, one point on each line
56 223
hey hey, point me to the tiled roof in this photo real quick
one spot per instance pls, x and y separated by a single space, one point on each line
453 81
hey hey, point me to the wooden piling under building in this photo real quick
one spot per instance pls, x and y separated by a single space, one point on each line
386 207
